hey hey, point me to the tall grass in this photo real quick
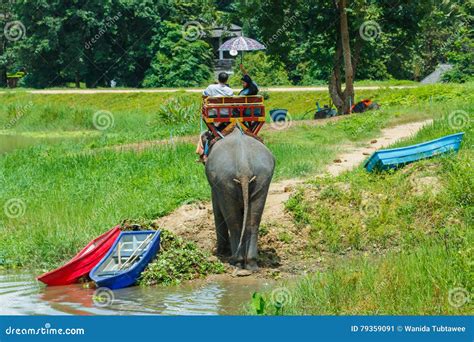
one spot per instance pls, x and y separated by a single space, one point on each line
68 199
415 282
409 233
136 115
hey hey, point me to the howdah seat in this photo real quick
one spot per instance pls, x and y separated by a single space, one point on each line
219 112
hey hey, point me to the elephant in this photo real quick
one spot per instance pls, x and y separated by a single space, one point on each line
239 170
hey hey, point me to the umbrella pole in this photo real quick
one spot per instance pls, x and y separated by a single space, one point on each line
242 58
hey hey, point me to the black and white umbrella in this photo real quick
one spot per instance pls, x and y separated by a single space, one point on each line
241 44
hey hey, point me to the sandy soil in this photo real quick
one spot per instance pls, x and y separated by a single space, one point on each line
189 90
281 244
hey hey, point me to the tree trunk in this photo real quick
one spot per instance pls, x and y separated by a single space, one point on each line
78 80
342 99
348 96
3 69
335 82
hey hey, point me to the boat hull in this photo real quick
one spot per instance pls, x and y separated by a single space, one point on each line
83 262
397 157
127 277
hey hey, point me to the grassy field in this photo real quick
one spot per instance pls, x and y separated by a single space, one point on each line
108 119
401 241
66 195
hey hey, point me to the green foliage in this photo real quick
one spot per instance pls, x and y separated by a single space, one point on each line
139 43
263 70
258 303
461 56
406 44
99 42
177 261
179 62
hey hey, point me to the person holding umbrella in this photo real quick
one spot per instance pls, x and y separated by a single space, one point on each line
234 45
249 86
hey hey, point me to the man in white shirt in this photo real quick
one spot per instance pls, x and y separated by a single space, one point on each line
221 88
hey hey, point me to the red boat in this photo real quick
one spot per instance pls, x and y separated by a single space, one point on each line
83 262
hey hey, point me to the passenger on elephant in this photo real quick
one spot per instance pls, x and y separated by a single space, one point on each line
221 88
249 87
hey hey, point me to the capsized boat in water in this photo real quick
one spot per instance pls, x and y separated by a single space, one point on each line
127 259
83 262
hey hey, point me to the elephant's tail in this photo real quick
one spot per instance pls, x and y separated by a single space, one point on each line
244 182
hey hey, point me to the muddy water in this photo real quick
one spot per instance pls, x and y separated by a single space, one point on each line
21 294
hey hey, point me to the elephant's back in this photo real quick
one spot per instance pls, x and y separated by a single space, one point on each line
240 153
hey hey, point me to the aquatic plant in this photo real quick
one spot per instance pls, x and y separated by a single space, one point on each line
179 260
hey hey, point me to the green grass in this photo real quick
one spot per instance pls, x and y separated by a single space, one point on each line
136 116
400 241
70 195
416 282
70 198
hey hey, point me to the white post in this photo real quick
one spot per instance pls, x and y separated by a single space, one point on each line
221 53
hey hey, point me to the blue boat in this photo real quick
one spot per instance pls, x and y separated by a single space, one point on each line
126 259
397 157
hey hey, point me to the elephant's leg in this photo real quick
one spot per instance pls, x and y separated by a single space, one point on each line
233 220
257 206
235 227
222 233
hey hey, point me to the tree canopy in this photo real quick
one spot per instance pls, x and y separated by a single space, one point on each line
144 42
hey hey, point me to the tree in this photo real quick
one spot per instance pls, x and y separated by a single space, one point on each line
342 99
179 62
96 42
9 34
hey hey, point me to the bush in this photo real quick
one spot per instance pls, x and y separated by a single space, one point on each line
263 70
178 110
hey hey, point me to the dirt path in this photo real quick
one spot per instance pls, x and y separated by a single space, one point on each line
189 90
195 221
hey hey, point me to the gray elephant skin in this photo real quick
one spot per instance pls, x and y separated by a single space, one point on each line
239 170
